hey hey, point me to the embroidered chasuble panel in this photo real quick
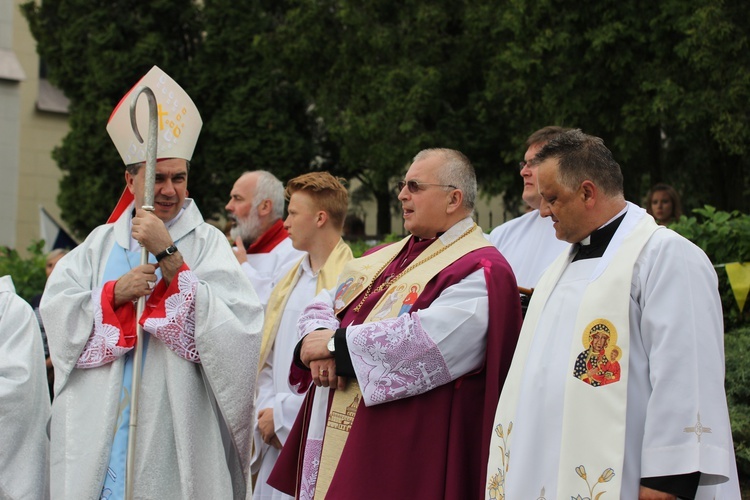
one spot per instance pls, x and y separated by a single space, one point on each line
402 290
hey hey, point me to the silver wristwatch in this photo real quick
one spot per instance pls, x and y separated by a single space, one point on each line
332 345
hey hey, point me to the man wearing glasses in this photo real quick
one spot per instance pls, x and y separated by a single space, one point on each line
528 242
410 387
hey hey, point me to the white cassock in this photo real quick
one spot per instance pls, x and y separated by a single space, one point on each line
529 245
273 386
677 420
24 400
264 270
196 411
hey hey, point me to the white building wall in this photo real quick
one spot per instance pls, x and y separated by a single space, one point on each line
9 128
39 133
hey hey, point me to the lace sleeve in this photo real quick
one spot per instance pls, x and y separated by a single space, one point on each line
316 316
170 314
112 334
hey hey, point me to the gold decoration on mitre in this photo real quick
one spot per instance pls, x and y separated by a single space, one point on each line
179 121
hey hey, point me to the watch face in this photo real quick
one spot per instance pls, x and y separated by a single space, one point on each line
331 345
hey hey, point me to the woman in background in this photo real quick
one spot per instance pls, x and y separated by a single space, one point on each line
663 203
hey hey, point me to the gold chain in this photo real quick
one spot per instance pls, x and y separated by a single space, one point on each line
386 284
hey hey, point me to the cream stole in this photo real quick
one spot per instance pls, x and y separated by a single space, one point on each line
591 410
461 239
327 277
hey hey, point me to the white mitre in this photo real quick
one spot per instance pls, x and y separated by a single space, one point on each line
179 121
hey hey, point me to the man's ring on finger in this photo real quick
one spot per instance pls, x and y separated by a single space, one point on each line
151 285
323 372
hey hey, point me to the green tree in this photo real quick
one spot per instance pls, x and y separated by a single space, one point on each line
100 49
27 273
387 79
254 117
359 87
664 83
701 96
736 347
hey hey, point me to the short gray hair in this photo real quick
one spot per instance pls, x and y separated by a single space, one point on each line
268 187
581 157
457 171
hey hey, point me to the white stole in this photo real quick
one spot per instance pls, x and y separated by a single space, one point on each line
591 410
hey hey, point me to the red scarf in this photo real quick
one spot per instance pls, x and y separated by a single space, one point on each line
268 240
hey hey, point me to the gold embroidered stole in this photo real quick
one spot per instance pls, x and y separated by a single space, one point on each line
403 291
327 277
595 401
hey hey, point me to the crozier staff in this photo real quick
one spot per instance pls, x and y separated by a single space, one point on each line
201 344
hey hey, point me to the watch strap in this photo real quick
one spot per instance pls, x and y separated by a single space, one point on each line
344 366
171 249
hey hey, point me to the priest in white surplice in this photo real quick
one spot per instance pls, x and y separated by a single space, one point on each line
317 208
616 389
528 242
201 343
262 244
24 400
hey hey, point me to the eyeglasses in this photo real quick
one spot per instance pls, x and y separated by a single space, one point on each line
523 163
415 187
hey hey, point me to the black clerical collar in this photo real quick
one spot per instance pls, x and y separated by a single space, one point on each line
594 245
438 235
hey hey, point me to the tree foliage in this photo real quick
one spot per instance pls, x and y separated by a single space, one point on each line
737 384
359 87
664 83
254 117
388 79
27 273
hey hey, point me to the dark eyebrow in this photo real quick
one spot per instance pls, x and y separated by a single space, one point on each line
177 175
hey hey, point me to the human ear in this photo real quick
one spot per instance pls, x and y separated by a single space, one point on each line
455 200
588 191
129 180
265 207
